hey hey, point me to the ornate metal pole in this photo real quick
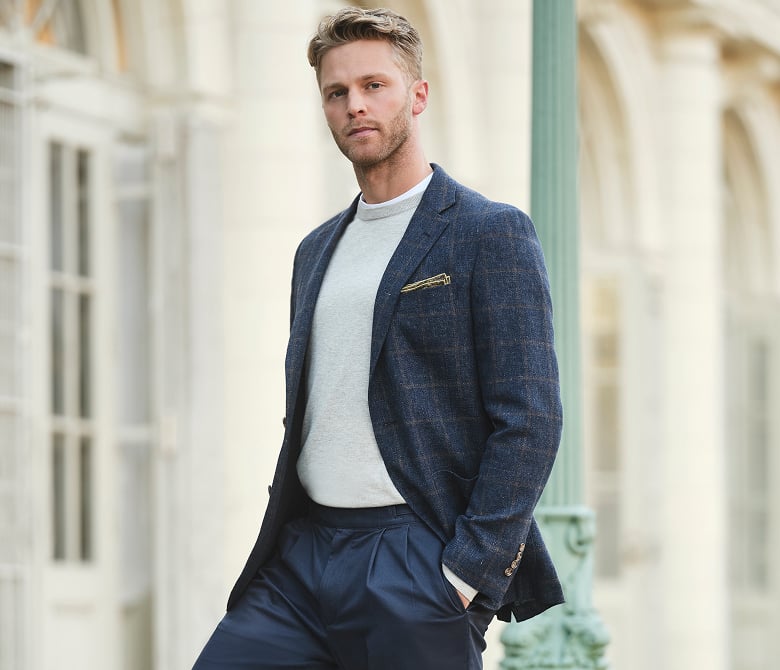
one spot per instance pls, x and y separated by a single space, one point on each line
571 636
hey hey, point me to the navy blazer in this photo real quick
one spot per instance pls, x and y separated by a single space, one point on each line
463 390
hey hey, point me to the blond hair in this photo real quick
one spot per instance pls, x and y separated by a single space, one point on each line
354 23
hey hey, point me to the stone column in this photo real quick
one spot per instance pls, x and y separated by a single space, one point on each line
189 128
571 636
694 503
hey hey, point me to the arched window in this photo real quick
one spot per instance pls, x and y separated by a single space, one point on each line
604 219
54 22
749 352
68 224
90 28
752 368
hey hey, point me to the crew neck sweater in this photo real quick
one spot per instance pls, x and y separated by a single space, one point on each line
340 464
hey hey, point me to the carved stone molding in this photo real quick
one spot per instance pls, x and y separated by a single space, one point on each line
13 13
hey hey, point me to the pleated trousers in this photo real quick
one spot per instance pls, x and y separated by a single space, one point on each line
351 589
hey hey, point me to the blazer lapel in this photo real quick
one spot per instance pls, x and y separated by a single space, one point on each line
425 227
304 309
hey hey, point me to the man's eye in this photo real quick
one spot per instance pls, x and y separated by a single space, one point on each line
374 85
338 93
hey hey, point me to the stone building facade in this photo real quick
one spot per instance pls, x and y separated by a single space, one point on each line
160 160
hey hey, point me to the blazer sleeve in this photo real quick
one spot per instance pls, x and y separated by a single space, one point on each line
518 379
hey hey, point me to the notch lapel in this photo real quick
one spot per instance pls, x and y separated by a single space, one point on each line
426 226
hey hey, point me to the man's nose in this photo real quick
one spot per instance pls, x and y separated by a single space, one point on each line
356 104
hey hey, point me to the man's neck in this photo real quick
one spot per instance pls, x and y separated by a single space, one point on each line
388 180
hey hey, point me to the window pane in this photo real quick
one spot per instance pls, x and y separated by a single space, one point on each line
758 418
83 213
85 355
8 289
758 466
56 204
8 453
58 497
601 320
58 351
135 519
131 168
605 349
134 331
7 213
7 361
67 27
7 79
607 451
8 155
85 506
8 292
9 476
758 536
607 546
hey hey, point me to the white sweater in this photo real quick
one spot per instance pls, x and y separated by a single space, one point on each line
340 464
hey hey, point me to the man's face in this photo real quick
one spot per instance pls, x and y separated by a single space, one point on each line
367 99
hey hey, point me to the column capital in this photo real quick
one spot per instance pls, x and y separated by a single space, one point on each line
591 12
749 65
687 35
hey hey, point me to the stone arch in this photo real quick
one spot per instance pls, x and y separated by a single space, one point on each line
605 161
141 38
747 240
606 231
617 57
84 27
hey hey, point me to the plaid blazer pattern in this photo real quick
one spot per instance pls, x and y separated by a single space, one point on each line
463 390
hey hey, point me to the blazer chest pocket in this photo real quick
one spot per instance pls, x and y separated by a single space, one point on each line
427 297
441 279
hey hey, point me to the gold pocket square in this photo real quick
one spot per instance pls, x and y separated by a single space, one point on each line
438 280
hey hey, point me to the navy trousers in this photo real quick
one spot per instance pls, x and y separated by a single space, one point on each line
351 589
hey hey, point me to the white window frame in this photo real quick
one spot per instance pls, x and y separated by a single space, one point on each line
604 484
136 436
72 422
15 492
76 599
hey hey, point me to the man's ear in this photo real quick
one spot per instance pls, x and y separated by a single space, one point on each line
419 96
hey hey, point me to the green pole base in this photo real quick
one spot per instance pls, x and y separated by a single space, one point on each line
571 636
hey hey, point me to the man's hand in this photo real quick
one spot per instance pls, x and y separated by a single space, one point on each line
466 602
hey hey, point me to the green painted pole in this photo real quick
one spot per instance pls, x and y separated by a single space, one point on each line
570 636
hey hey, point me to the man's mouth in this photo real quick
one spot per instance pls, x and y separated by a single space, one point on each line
361 132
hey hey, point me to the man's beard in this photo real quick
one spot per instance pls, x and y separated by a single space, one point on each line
392 137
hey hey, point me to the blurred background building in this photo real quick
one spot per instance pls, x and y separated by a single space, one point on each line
159 162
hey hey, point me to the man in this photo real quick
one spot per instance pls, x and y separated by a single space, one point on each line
423 412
